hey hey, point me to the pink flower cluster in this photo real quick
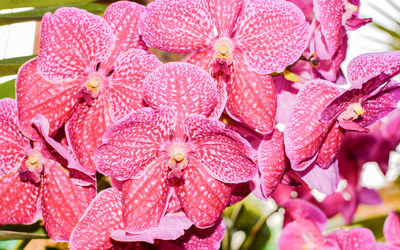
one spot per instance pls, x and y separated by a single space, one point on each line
95 100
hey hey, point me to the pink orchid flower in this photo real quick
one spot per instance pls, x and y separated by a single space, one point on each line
163 150
102 228
391 230
36 183
88 72
239 42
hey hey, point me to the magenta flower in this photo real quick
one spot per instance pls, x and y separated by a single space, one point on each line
102 228
391 230
238 42
87 72
165 150
36 183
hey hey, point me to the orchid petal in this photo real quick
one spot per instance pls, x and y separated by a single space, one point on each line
391 229
225 155
296 209
176 25
272 34
330 146
354 239
133 143
72 42
300 234
225 13
339 104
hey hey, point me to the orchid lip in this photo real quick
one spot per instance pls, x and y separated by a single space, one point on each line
352 112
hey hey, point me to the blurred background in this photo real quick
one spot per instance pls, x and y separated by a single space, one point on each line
252 223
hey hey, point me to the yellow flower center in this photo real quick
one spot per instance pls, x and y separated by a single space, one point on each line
33 161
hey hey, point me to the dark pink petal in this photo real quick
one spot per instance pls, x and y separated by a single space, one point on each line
304 132
19 199
339 104
123 17
329 14
272 34
36 95
225 155
299 235
323 180
369 196
391 229
145 199
63 202
367 66
381 104
130 70
177 26
135 142
72 42
12 142
184 87
297 209
225 13
239 192
251 97
330 146
203 59
286 98
203 198
103 216
171 227
271 161
85 128
354 239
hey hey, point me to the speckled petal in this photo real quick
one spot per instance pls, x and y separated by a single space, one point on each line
299 235
85 129
18 203
123 18
72 42
271 162
354 239
251 97
184 87
225 155
272 34
225 14
296 209
145 199
130 70
330 146
103 216
203 198
203 60
339 104
133 143
391 229
304 132
35 95
367 66
63 202
12 142
176 25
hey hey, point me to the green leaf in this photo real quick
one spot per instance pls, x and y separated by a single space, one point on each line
10 66
7 89
37 14
9 4
11 235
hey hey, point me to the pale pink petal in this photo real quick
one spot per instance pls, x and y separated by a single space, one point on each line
171 227
103 216
123 18
272 34
35 95
329 14
177 26
130 70
323 180
186 88
12 142
19 199
304 132
297 209
203 59
72 42
225 155
271 161
225 13
203 198
306 6
286 98
145 198
354 239
367 66
135 142
251 97
63 202
85 128
330 146
391 229
299 235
